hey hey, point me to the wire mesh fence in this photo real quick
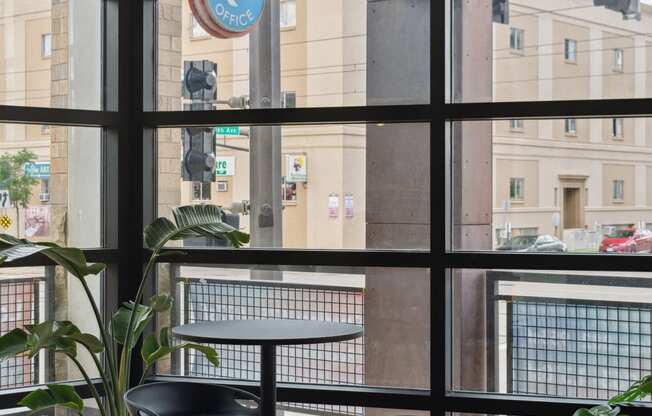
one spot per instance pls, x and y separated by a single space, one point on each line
587 349
20 305
330 363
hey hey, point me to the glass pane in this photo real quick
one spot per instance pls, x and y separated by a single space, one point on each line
392 304
50 53
560 334
553 50
328 187
319 53
50 183
33 295
588 190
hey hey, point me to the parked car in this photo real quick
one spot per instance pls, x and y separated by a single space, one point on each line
534 243
627 240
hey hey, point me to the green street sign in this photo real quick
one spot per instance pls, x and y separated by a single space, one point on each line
227 130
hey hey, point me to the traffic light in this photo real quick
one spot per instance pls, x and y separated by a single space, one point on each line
501 11
198 164
199 81
631 9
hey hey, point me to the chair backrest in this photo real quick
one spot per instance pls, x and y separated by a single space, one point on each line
179 398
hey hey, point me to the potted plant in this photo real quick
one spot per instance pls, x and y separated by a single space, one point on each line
121 333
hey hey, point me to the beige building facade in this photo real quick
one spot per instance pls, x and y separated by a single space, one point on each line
574 179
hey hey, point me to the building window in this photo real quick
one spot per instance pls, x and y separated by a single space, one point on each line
45 129
45 190
570 127
516 125
618 193
196 31
46 45
516 189
516 39
570 50
288 99
201 191
288 14
617 128
618 59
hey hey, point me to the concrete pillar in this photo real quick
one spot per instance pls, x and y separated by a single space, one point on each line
397 304
472 195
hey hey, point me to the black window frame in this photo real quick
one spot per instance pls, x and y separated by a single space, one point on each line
129 122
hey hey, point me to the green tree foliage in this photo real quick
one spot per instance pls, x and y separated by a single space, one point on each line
13 178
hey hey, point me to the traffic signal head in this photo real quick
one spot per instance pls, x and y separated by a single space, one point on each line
200 80
198 164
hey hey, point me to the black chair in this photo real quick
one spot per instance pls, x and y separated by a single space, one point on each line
190 399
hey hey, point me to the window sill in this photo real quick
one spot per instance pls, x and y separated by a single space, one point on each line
519 52
196 38
570 61
288 28
570 134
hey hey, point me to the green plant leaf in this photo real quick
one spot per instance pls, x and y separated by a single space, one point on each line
120 322
13 343
62 336
91 342
71 259
160 303
54 395
193 221
154 350
636 391
601 410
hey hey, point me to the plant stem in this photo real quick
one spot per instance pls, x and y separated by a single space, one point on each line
108 389
106 341
125 359
96 395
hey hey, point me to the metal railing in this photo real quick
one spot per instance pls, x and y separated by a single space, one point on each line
580 348
21 303
331 363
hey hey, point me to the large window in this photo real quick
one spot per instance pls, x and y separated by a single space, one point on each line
324 130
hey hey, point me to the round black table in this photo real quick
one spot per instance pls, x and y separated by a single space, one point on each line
268 333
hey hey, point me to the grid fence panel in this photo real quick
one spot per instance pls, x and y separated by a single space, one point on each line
329 363
587 349
19 306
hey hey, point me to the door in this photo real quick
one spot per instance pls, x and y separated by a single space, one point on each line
572 208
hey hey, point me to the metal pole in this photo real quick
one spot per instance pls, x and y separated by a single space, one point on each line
265 141
267 380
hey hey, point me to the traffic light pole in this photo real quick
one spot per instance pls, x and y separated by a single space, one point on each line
265 141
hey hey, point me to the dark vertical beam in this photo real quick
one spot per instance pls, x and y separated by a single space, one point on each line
131 78
439 207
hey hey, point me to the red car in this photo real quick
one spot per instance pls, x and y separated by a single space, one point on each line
627 240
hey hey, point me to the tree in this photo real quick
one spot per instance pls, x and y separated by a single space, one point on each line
14 180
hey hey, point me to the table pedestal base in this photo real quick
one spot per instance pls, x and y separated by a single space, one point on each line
267 380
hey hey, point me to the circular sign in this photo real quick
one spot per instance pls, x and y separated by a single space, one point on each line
227 18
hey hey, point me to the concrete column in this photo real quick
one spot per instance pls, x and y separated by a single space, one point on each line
472 196
596 56
640 87
640 185
397 304
545 57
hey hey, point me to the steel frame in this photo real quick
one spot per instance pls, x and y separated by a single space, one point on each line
129 123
